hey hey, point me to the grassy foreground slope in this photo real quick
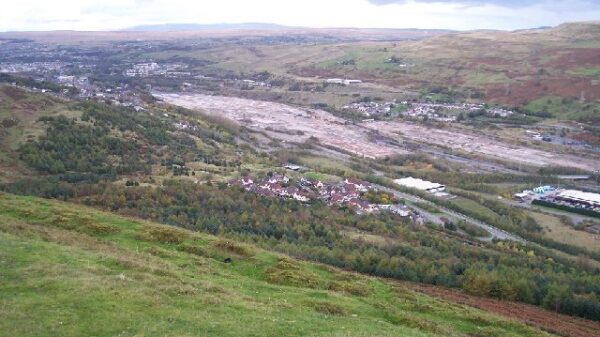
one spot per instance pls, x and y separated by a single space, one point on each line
67 270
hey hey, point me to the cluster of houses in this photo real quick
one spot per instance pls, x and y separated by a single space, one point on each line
342 81
253 83
32 67
499 112
371 108
441 112
348 192
537 136
153 68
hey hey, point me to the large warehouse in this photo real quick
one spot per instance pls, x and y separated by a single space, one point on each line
420 184
579 197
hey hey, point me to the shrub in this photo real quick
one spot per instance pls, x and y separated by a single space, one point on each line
191 249
327 308
288 272
101 229
165 234
353 288
234 248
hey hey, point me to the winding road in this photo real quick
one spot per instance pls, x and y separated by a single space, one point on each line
496 233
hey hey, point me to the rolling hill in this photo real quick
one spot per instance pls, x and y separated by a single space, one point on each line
69 270
552 71
180 167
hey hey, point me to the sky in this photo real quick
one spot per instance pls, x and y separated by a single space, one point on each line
21 15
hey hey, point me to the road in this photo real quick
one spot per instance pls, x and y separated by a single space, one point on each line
496 233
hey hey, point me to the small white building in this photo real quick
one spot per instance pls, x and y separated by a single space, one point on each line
343 81
335 81
293 167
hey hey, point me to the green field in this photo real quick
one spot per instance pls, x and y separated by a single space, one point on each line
560 232
73 271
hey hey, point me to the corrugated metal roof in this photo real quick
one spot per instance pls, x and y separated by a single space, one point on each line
580 195
418 183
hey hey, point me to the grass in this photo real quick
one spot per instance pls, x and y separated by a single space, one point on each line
588 72
563 108
324 164
558 231
68 270
321 176
469 204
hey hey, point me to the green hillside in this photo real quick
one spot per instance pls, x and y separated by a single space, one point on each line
141 164
68 270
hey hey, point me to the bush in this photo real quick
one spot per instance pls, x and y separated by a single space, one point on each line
234 248
288 272
165 234
353 288
192 249
473 230
101 229
327 308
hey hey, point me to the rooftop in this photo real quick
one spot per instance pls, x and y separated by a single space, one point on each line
418 183
579 195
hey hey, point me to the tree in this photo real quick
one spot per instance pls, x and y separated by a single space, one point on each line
556 297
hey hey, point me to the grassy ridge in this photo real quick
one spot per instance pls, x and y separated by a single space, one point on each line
72 271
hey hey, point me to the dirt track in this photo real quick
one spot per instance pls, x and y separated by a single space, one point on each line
546 320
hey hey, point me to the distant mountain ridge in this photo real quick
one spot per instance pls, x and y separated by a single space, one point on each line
171 27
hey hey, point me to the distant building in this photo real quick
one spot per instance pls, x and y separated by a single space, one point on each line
420 184
523 196
543 189
574 177
66 80
342 81
293 167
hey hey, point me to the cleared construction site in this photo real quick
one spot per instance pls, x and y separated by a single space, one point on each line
296 125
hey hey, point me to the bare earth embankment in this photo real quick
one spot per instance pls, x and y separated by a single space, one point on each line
293 124
480 145
287 123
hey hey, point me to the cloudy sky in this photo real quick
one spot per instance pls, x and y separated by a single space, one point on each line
451 14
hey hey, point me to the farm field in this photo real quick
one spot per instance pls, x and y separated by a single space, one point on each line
560 232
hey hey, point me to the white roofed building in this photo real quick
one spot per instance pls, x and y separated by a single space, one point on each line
420 184
579 197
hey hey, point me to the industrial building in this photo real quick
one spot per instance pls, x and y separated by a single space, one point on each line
420 184
586 199
535 193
